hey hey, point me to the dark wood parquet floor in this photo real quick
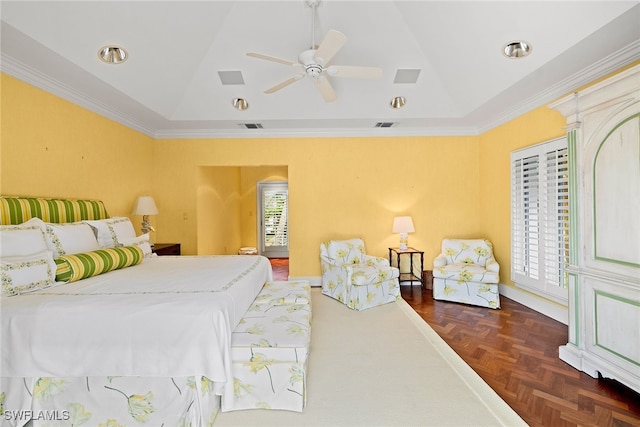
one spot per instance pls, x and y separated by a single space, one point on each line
515 350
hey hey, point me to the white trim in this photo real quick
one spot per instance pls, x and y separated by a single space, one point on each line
609 64
548 308
262 187
613 62
539 193
35 78
534 302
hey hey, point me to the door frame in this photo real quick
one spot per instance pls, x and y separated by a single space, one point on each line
281 251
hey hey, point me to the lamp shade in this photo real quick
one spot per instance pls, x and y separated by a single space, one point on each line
145 206
403 224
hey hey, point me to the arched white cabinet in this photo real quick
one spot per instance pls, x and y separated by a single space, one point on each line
603 125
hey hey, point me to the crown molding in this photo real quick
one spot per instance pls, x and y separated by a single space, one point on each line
609 64
42 81
316 133
617 60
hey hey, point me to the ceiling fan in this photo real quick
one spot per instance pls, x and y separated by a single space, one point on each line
314 62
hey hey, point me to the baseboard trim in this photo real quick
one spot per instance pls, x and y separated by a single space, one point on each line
548 308
534 302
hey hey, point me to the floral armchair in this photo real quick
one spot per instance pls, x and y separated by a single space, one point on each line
358 280
467 272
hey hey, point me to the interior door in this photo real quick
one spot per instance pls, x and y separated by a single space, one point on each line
273 220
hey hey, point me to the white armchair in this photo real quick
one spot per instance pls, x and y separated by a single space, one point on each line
467 272
356 279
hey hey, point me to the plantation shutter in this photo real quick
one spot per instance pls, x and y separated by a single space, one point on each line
540 218
275 218
525 226
555 235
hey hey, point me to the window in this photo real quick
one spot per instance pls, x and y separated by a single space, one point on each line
274 220
540 219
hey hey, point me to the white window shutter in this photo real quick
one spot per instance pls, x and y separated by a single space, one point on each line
275 218
540 218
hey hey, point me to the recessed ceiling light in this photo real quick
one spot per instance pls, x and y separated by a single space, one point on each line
113 54
516 49
398 102
240 104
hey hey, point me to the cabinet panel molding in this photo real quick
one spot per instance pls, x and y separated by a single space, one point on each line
616 195
603 125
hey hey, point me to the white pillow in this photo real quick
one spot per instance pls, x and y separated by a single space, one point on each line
23 239
70 238
142 241
27 273
110 232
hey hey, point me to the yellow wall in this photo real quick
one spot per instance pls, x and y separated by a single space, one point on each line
539 125
218 210
51 147
338 188
249 177
226 206
496 146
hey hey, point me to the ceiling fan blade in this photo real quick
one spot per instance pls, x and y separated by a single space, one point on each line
355 72
332 43
271 58
325 88
285 83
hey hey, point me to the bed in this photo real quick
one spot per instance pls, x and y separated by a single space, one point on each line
120 336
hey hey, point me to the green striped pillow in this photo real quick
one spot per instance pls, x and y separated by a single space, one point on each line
16 210
71 268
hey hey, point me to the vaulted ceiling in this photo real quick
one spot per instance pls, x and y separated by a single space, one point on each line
187 61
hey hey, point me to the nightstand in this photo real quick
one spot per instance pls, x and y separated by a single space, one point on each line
411 275
166 248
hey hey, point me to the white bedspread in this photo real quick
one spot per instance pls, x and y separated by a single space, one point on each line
169 316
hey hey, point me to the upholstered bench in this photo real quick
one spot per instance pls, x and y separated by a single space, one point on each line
290 292
269 350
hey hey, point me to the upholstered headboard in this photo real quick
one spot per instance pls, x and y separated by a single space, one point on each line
16 210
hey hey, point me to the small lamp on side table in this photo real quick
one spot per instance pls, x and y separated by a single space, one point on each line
145 206
403 225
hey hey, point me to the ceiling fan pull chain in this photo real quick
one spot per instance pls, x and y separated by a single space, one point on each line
312 4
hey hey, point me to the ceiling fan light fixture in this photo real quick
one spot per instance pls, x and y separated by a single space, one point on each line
516 49
398 102
314 62
113 54
240 104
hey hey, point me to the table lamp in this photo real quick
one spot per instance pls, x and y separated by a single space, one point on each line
403 225
145 206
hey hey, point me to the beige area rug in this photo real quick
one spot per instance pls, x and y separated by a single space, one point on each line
383 367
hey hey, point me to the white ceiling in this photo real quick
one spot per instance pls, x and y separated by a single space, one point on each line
170 85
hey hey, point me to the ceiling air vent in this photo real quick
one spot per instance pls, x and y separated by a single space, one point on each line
231 77
384 124
406 76
252 125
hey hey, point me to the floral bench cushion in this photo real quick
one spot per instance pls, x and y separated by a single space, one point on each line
269 350
281 293
271 327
